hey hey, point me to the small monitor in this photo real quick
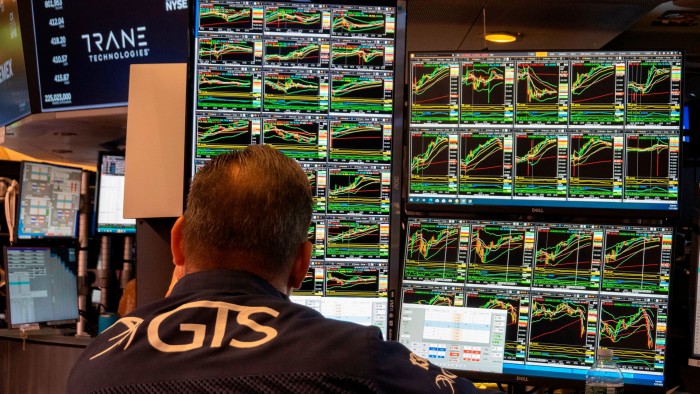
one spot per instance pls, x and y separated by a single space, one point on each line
49 201
42 286
109 198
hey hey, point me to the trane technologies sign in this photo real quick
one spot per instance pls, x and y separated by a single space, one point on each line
85 48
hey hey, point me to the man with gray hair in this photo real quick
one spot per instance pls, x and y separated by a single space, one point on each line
228 324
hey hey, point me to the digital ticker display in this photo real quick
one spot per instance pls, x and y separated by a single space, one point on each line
545 130
315 81
76 53
14 89
567 289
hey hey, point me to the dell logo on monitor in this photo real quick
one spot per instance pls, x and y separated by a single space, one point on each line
537 210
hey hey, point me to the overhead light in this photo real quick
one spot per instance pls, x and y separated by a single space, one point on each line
502 37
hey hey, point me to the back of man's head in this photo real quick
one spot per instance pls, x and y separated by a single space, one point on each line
247 210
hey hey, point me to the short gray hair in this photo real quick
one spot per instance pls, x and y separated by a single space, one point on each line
248 209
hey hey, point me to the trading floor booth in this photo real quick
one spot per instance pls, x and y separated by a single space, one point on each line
504 214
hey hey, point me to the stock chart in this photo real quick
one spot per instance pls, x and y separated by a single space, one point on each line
538 99
567 258
551 130
432 98
497 255
433 163
559 329
433 253
486 93
538 165
567 288
485 166
514 303
365 140
217 134
595 166
316 82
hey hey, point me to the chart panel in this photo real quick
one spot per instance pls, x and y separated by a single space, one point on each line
562 329
637 260
501 254
635 329
653 93
596 165
220 132
486 93
360 140
486 163
597 93
540 165
541 93
304 138
220 88
433 164
434 93
568 257
516 304
652 165
434 252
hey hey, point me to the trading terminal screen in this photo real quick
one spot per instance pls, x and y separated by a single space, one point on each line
110 197
315 81
545 130
49 201
567 289
42 285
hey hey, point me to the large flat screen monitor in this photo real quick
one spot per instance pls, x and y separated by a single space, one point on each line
14 89
84 48
545 132
321 82
49 201
42 286
565 290
109 196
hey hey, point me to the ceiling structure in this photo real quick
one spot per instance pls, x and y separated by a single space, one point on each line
450 25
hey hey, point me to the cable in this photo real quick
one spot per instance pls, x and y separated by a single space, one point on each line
10 203
483 9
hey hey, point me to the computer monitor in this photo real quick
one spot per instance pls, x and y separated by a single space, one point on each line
109 196
49 201
84 63
14 94
572 132
566 290
322 83
42 286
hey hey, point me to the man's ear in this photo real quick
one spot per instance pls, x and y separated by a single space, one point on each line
177 243
301 265
178 254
